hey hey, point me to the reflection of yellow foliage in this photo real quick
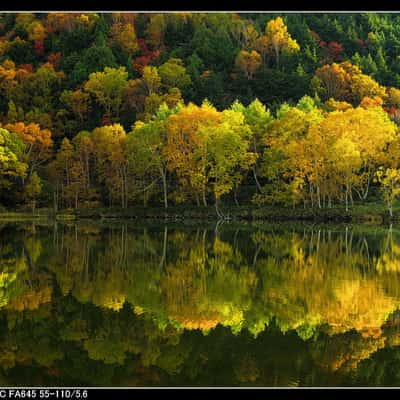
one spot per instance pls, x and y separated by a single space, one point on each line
223 249
10 270
199 321
308 281
31 299
109 292
206 288
115 301
345 353
389 261
138 310
318 282
361 305
392 336
34 247
232 316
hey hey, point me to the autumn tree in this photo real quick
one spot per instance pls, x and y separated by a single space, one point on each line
12 165
62 175
283 150
124 35
107 87
77 102
152 102
332 81
258 118
38 143
84 148
155 30
345 82
32 189
262 45
151 79
10 79
111 161
37 88
36 31
343 151
393 97
279 39
228 153
173 74
186 149
389 180
347 165
248 62
145 146
362 85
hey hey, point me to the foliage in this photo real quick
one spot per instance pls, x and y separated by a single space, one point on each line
293 78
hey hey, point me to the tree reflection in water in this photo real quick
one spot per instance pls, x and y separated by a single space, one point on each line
118 304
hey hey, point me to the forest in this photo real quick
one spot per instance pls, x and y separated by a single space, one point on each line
125 109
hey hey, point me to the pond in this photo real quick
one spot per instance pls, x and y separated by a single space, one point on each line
151 304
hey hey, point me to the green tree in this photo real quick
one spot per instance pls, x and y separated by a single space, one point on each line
228 153
145 146
12 165
108 87
173 74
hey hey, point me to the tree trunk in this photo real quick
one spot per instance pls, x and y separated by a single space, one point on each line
235 196
258 186
365 193
164 252
55 199
311 197
87 170
122 190
62 195
277 56
318 197
204 197
126 186
220 215
164 179
216 209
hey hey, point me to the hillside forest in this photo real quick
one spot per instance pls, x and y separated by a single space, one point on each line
118 110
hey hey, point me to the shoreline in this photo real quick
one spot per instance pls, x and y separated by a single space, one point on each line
370 213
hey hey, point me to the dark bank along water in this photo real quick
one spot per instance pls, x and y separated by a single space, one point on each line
127 305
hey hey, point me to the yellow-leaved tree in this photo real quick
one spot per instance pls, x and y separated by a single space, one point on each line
279 39
186 148
389 179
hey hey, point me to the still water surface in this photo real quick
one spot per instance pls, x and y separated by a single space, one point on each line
122 304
